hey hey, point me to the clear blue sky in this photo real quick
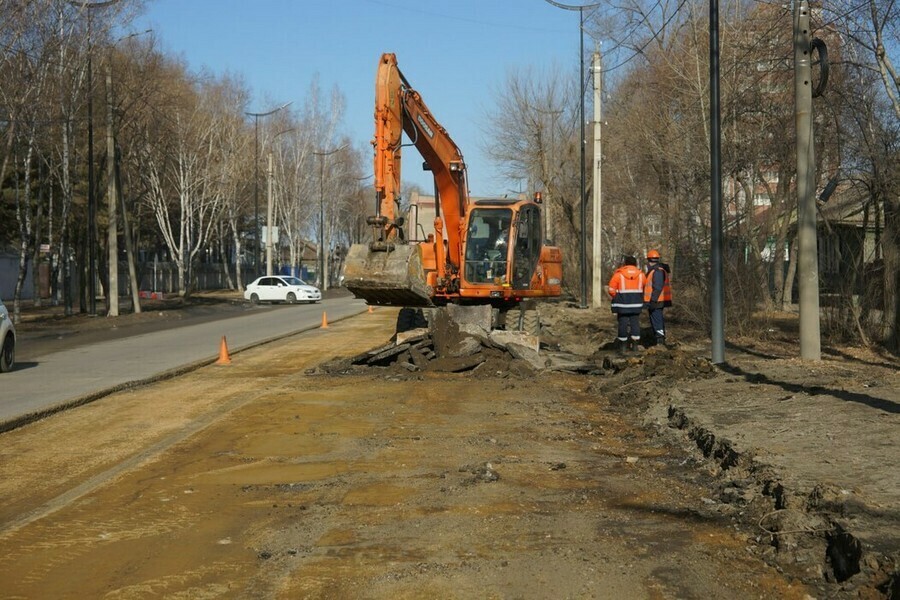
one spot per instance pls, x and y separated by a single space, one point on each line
455 53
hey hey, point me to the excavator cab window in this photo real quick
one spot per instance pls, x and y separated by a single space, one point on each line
527 250
487 245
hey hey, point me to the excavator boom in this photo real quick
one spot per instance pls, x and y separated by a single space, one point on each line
389 271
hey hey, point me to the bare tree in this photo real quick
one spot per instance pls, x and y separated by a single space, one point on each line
532 135
185 177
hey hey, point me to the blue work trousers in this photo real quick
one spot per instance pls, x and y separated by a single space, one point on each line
657 322
629 325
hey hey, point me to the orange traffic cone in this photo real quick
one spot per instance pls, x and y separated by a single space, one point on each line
324 321
224 359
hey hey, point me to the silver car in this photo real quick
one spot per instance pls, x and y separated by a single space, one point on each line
281 288
7 340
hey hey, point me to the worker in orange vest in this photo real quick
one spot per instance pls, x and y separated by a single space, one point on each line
657 294
626 288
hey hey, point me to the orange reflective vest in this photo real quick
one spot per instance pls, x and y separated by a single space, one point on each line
658 288
626 289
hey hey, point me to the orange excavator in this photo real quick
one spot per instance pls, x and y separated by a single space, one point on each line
480 252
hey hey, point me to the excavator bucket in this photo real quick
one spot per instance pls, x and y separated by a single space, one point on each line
393 278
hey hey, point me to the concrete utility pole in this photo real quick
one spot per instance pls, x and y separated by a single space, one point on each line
271 228
808 258
716 250
323 243
112 294
256 233
115 199
269 221
91 200
129 248
583 198
597 292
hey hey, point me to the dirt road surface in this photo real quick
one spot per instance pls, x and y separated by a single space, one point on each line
268 479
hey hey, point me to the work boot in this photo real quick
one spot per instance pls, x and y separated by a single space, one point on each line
661 341
620 347
632 345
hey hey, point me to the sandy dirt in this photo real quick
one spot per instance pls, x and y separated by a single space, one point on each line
268 479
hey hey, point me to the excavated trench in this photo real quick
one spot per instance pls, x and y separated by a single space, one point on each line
802 534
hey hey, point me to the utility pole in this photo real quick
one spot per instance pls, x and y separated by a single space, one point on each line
271 229
323 245
112 294
115 198
256 234
269 220
583 196
92 199
807 259
597 287
716 249
583 199
129 246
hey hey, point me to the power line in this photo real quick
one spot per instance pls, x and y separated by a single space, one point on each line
654 36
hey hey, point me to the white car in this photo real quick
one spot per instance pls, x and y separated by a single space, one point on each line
7 340
281 288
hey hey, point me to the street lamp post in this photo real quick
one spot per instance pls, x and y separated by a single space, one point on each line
92 200
323 281
583 244
256 233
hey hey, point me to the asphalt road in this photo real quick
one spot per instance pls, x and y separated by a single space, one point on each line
76 375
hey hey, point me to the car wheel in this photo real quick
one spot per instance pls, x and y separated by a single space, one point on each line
7 355
291 298
254 298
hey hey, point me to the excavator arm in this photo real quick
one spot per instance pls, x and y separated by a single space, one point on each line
387 142
389 270
399 108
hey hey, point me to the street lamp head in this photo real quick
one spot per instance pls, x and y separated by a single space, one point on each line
98 4
267 113
329 152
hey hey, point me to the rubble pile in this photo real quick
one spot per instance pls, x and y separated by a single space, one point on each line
460 342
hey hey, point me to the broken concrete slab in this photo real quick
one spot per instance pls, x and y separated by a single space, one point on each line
449 341
572 363
418 357
479 315
387 354
502 338
412 336
527 354
466 346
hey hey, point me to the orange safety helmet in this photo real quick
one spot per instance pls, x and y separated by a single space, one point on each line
653 255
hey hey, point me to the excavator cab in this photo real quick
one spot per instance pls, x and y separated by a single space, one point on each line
487 246
503 245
